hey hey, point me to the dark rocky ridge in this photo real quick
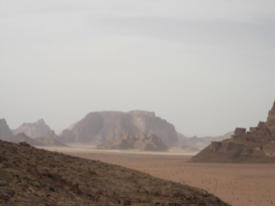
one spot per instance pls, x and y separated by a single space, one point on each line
139 142
101 127
29 176
255 145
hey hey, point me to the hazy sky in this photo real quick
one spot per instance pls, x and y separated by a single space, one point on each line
207 66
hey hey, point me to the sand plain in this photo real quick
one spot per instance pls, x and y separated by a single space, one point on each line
237 184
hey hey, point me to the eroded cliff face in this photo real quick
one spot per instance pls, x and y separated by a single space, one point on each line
100 127
5 131
255 145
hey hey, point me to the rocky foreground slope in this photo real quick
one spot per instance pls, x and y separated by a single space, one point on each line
100 127
255 145
138 142
30 176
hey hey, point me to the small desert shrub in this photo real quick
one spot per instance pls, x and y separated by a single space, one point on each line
8 165
26 178
4 175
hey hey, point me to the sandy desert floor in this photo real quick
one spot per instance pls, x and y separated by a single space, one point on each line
237 184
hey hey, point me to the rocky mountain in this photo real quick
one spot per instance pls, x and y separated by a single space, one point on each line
196 144
137 142
101 127
255 145
35 130
4 129
30 176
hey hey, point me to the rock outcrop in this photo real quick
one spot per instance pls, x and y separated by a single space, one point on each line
255 145
101 127
30 176
5 130
138 142
35 130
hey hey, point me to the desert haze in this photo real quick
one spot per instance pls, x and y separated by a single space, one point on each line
149 102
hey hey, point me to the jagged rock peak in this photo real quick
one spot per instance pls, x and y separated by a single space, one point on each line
35 129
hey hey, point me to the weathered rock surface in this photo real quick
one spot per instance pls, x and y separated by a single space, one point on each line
138 142
101 127
29 176
255 145
5 130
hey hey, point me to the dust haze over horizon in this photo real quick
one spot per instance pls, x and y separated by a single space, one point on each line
206 66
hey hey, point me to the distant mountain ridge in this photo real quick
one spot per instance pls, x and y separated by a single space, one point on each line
100 127
255 145
35 129
41 134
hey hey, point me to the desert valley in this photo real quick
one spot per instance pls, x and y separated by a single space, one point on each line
137 103
237 167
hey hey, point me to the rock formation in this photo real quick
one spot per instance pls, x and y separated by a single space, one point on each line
255 145
101 127
5 131
30 176
35 130
138 142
